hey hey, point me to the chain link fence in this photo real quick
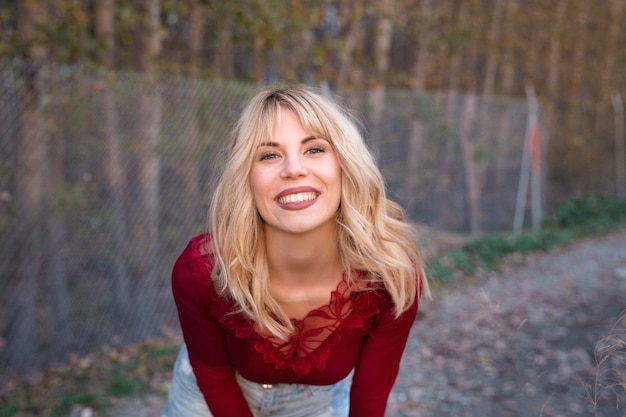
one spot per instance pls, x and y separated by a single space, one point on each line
104 176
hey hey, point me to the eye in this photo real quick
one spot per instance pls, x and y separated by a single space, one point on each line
315 150
266 156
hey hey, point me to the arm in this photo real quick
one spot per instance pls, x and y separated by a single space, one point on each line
205 339
379 362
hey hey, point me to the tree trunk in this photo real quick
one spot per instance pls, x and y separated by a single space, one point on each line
145 242
105 31
503 127
417 129
187 166
612 48
549 114
30 174
472 190
116 186
554 57
452 104
609 73
114 172
196 37
493 36
424 39
508 55
354 21
258 60
224 59
485 121
577 98
376 95
456 69
56 276
620 145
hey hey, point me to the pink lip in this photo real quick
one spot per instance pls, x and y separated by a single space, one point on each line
296 190
296 205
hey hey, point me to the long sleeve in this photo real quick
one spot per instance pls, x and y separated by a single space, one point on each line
204 337
379 362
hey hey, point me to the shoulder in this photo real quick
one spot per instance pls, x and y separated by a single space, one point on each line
195 263
371 293
375 294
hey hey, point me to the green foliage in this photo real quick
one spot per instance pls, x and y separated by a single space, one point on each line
575 218
165 351
91 381
9 409
584 212
438 271
70 400
122 385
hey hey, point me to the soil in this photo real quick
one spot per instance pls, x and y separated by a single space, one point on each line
525 341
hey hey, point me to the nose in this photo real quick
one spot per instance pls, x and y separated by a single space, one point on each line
293 167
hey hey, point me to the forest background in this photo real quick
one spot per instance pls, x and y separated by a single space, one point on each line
113 114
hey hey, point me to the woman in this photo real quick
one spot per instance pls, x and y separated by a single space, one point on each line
300 301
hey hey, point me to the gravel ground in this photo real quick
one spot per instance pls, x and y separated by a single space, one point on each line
518 342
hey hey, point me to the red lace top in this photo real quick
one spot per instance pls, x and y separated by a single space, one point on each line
356 330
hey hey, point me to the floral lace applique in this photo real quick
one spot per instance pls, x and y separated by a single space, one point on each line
320 330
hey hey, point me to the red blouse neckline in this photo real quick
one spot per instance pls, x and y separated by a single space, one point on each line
348 310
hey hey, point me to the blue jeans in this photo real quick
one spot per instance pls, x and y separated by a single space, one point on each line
278 400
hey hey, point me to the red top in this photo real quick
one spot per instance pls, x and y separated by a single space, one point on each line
356 330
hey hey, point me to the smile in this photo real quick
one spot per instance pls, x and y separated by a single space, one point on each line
297 198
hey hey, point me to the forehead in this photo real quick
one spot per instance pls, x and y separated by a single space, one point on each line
288 118
286 121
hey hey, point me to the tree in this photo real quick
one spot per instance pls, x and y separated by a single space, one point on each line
422 21
196 37
376 94
352 13
577 88
30 194
146 138
105 32
493 35
187 98
507 75
609 71
467 134
114 169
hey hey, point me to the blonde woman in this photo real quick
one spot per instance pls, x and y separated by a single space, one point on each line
300 300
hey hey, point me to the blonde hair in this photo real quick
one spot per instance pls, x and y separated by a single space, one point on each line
372 234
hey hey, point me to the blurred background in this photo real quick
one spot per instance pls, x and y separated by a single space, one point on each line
483 114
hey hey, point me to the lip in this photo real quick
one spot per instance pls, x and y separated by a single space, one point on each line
296 205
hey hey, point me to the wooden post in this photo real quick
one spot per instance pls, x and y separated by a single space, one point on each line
620 158
530 171
535 157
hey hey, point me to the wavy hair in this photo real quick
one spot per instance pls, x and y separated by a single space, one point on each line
372 234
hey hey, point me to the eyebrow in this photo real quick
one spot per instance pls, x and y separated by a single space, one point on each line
303 141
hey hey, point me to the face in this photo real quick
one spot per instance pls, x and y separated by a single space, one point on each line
296 179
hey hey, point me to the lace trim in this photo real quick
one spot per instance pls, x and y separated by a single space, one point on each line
315 335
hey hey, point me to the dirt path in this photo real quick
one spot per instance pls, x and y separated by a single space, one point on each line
520 342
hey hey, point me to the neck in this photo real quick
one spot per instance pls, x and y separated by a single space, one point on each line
298 257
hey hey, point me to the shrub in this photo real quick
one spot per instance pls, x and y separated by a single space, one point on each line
578 217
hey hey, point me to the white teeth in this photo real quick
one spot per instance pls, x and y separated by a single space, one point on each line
296 198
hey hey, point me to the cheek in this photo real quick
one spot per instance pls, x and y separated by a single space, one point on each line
255 180
337 176
337 186
259 190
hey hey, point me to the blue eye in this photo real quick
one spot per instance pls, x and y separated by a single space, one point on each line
316 149
267 156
